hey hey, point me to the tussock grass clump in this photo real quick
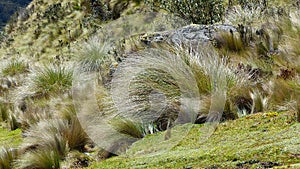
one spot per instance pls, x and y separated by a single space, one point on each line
259 102
7 115
47 135
133 128
281 92
223 81
4 112
230 42
57 134
298 112
297 109
13 122
203 80
68 113
33 116
221 87
55 137
40 159
290 45
49 80
241 100
53 80
31 111
15 68
93 56
74 133
127 127
7 156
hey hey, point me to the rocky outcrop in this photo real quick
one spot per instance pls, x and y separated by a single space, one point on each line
189 34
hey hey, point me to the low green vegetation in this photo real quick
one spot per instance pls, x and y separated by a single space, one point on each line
10 138
260 140
15 68
199 11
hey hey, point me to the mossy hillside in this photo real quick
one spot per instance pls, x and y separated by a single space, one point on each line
262 138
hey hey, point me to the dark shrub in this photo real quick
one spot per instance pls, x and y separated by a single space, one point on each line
196 11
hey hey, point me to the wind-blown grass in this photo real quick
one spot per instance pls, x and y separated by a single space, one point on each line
33 116
52 80
93 56
13 122
217 76
259 102
57 134
298 111
230 42
7 156
40 159
47 135
45 82
49 141
14 68
280 94
133 128
127 127
4 112
290 45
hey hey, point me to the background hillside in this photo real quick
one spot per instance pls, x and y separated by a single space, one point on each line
8 8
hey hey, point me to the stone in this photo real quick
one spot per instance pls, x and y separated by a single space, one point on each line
190 34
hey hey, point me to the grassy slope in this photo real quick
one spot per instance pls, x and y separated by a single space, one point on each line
37 38
271 137
40 39
47 43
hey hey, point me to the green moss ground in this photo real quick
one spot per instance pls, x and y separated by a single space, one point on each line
260 139
10 138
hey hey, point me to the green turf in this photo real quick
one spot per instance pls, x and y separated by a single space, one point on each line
10 138
260 139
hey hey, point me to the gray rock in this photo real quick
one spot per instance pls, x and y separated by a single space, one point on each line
190 34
